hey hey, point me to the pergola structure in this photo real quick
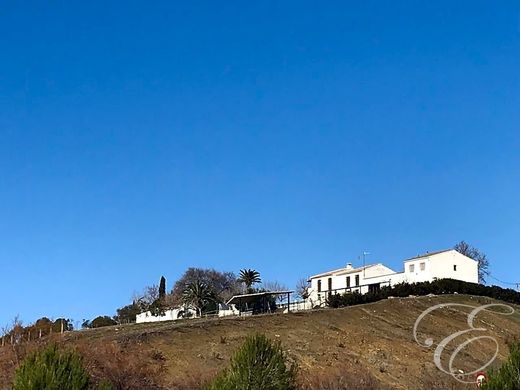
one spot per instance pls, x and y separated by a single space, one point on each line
262 297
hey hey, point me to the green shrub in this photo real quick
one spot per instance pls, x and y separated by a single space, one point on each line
52 369
506 377
101 321
259 364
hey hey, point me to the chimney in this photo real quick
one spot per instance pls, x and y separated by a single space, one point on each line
349 266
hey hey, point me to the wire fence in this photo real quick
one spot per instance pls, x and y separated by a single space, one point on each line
19 335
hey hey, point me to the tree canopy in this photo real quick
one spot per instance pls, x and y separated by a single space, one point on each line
223 285
99 322
198 295
249 277
128 313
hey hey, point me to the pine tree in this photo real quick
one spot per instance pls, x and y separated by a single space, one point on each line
52 368
259 364
506 377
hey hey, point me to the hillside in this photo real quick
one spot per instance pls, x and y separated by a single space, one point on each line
374 340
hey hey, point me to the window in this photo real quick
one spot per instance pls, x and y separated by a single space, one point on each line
348 281
330 284
357 280
412 267
319 285
455 268
423 266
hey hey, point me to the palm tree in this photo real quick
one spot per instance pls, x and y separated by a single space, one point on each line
249 277
198 295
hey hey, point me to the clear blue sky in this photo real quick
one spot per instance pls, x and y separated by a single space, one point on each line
140 139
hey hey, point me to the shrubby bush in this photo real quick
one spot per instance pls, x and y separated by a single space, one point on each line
437 287
52 369
506 377
117 365
99 322
259 364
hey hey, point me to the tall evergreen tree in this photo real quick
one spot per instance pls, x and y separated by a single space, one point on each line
162 288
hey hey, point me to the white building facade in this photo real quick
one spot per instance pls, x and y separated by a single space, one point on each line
179 313
168 315
424 268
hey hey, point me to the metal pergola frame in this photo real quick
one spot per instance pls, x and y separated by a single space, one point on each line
238 300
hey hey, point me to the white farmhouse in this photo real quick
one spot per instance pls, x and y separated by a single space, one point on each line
427 267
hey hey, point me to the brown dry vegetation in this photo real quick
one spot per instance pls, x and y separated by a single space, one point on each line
362 347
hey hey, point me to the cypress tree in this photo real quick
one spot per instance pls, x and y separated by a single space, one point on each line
162 288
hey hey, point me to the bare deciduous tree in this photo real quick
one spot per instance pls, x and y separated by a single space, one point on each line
276 286
302 288
475 254
145 299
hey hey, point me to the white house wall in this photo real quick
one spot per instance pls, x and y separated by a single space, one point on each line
454 265
339 281
169 315
419 270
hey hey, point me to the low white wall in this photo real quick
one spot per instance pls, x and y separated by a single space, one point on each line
301 305
169 315
228 312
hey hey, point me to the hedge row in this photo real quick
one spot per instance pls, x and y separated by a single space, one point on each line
437 287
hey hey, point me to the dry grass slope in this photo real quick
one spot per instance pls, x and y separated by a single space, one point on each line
371 345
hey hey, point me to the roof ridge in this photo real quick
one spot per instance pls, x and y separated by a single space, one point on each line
429 254
339 270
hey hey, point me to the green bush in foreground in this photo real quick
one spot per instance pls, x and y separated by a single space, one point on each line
52 369
506 377
259 364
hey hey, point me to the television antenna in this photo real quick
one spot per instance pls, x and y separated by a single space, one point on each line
365 254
